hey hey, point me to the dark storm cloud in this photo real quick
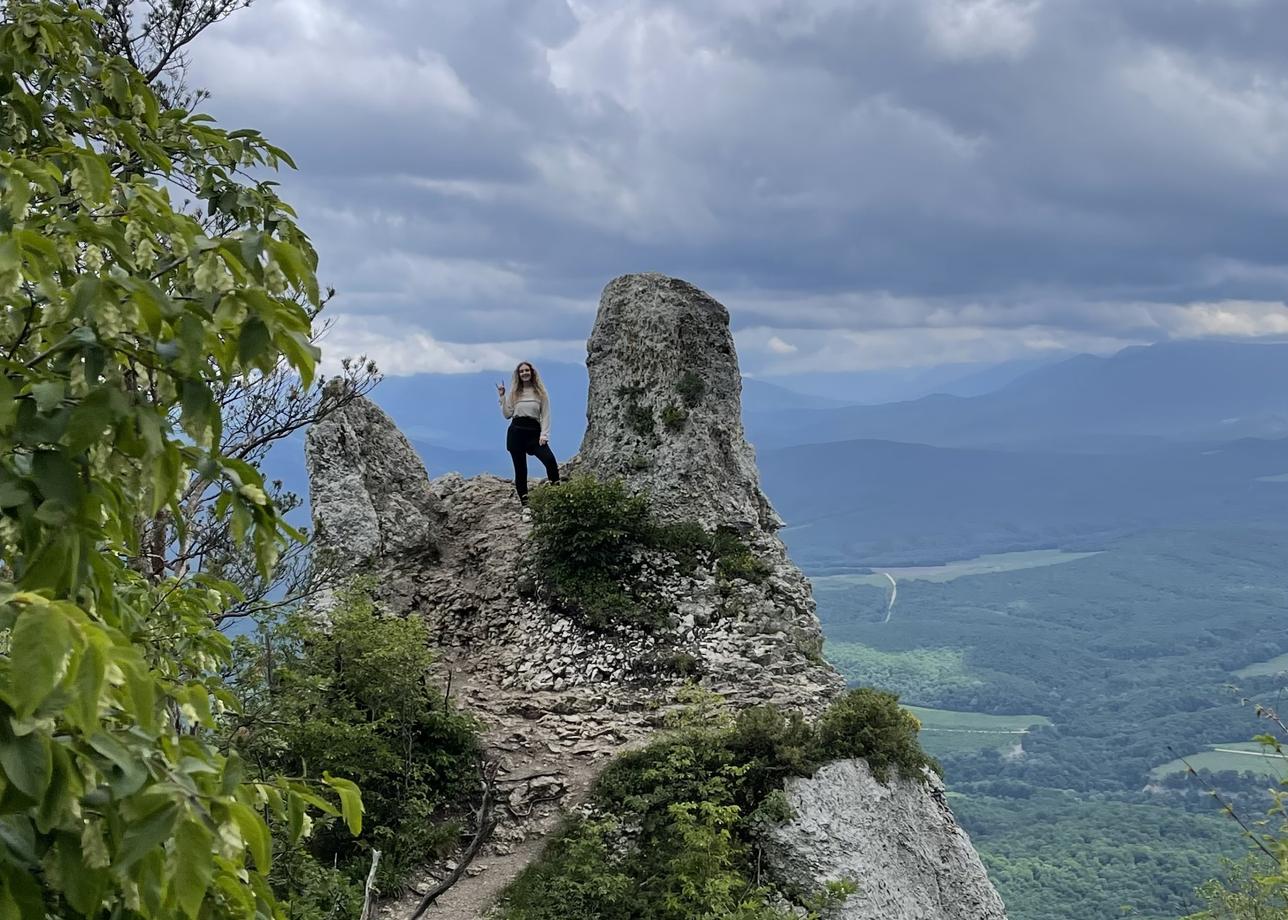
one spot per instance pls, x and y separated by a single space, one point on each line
864 182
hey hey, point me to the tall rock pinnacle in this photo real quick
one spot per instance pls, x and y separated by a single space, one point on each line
664 410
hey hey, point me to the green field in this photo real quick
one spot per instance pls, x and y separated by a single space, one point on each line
980 565
946 731
1276 665
1239 756
1130 653
921 674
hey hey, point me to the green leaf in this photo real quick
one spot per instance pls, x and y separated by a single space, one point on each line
127 772
57 477
198 406
90 420
10 258
87 686
8 405
193 866
20 895
40 646
85 296
65 787
350 801
144 835
82 886
295 816
12 494
49 566
26 761
302 354
49 394
19 836
142 687
253 342
255 832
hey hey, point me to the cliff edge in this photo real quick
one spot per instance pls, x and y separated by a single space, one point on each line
557 699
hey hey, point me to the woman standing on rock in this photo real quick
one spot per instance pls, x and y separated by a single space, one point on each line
528 406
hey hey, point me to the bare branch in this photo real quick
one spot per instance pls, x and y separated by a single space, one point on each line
485 823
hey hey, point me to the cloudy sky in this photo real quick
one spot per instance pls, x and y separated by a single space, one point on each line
864 183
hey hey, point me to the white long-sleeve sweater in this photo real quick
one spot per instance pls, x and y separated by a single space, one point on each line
527 404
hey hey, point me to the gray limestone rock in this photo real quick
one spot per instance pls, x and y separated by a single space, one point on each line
664 410
373 509
899 843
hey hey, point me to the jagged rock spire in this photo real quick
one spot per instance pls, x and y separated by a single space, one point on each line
664 410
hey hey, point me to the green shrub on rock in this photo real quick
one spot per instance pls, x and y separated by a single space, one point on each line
677 824
735 558
588 536
870 724
691 388
587 525
673 417
639 418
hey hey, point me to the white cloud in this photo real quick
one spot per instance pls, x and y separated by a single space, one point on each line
320 56
967 336
1229 319
400 351
943 179
965 29
1223 112
884 349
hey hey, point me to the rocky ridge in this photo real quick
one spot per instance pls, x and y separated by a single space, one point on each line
556 700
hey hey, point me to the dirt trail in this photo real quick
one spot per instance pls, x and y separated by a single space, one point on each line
550 748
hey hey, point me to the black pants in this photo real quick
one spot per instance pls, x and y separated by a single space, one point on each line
524 438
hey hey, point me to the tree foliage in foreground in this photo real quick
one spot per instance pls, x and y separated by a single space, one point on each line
1257 887
119 317
356 699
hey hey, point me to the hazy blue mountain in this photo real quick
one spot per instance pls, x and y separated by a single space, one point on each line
767 396
900 384
440 460
458 411
1131 400
857 503
991 377
1134 402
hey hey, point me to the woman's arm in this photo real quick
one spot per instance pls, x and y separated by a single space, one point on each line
545 420
507 407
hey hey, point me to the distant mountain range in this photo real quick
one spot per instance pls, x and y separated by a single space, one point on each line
854 504
1065 454
1135 399
901 384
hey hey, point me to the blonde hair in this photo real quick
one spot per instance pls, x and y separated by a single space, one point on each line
516 385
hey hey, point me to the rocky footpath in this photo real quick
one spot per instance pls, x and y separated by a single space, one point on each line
557 700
